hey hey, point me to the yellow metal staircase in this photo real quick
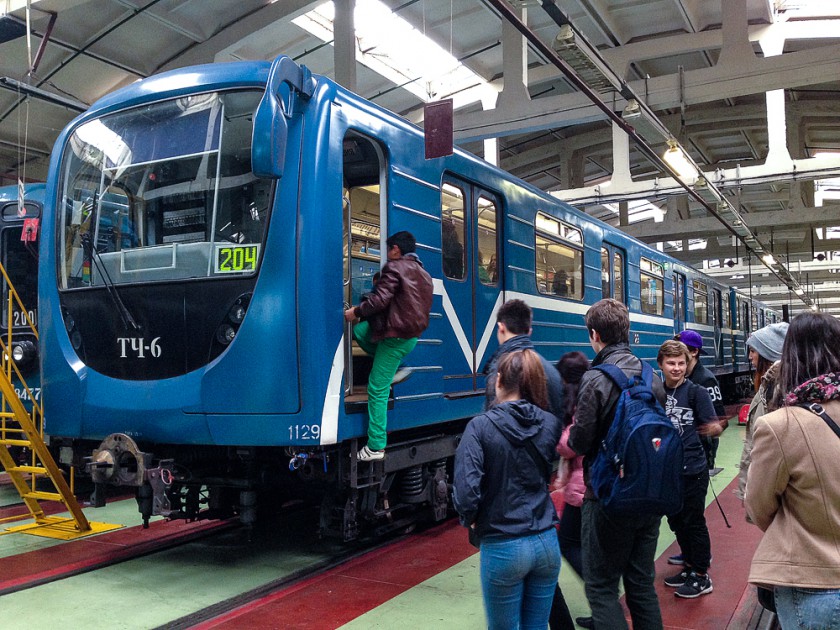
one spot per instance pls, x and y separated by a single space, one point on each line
22 428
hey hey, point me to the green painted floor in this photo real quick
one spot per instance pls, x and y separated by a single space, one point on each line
151 591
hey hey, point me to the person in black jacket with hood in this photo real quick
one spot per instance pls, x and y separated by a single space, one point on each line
502 467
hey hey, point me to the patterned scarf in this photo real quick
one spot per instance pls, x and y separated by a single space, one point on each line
819 389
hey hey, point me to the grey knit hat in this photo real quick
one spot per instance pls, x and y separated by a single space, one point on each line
768 341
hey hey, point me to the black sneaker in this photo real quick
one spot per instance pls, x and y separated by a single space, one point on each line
695 586
677 559
585 622
675 581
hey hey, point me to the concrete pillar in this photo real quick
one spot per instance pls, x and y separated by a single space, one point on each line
514 64
344 44
737 48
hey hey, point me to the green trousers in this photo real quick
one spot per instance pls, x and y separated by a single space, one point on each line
387 355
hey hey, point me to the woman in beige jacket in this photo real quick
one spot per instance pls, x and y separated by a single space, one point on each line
793 484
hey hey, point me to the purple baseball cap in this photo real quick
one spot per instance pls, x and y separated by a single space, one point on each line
692 339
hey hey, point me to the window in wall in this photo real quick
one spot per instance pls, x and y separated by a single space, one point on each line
487 247
559 258
701 302
452 231
652 287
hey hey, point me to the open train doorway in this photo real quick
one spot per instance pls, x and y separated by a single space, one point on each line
364 203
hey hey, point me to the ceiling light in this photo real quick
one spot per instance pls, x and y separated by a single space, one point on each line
768 259
573 51
391 47
679 161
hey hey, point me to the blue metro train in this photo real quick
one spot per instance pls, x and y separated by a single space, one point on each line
19 257
206 228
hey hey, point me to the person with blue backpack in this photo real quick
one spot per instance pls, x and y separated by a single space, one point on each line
618 545
690 408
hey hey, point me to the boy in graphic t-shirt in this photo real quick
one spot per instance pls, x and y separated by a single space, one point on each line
690 409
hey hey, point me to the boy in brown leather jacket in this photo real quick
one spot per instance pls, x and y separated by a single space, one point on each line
396 312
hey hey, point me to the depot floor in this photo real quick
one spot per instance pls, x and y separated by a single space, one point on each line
428 580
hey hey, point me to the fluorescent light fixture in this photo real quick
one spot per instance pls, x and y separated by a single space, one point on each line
649 128
679 161
390 46
574 52
703 188
799 291
768 259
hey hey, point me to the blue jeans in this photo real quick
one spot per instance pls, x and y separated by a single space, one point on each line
807 608
616 548
518 576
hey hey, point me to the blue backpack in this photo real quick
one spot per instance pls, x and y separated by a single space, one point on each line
638 469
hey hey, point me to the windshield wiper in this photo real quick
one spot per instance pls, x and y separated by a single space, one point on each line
110 286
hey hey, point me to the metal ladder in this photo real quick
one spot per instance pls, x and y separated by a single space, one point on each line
22 428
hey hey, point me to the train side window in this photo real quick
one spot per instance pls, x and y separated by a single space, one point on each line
719 313
754 320
559 258
612 273
701 302
487 254
618 276
652 282
725 315
452 231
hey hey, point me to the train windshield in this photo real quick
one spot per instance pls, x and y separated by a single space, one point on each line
163 192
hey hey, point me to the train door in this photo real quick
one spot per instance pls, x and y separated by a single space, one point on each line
364 205
612 272
679 303
471 276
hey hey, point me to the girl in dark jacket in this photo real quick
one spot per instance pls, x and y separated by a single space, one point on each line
501 491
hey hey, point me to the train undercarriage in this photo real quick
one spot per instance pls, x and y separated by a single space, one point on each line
357 499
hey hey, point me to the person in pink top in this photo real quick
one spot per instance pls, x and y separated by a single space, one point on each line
571 366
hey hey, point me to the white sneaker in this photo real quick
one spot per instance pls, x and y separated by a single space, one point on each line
368 455
401 374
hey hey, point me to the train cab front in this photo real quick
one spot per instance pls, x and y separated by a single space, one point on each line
175 297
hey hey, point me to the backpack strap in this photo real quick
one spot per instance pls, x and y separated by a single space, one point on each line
818 409
617 375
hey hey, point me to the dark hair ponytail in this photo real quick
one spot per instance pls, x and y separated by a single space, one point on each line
523 371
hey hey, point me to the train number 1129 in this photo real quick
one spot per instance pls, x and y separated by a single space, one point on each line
304 432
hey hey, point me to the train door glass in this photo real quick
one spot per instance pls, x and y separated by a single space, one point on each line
679 302
471 272
364 206
612 272
717 314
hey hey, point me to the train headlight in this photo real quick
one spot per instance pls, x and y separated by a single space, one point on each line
236 314
225 334
24 353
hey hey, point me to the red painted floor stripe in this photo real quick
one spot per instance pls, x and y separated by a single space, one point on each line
29 569
360 585
732 552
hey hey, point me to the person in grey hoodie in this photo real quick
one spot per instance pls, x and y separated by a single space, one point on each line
502 467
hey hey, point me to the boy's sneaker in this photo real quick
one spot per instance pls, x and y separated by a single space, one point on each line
695 586
675 581
401 374
678 559
368 455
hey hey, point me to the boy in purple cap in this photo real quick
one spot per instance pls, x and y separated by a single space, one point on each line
698 373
